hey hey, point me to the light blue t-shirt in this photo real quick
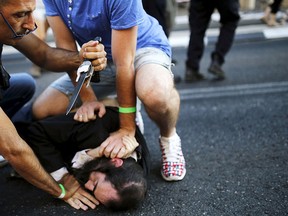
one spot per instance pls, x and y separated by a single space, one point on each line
87 19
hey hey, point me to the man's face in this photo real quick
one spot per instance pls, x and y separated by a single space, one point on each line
19 16
102 189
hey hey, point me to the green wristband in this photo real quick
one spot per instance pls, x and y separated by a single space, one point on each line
127 109
63 193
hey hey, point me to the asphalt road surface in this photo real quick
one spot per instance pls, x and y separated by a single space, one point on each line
234 138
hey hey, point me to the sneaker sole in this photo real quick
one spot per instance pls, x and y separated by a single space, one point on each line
174 178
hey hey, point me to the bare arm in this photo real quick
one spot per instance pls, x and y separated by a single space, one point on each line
23 160
123 52
54 59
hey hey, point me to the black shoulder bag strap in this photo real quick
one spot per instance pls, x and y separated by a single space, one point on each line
4 76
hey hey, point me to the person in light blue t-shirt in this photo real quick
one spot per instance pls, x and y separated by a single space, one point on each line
139 66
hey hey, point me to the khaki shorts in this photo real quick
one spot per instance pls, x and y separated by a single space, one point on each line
107 85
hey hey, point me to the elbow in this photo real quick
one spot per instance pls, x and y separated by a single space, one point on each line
15 152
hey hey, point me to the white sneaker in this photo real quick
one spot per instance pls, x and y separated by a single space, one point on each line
139 121
173 162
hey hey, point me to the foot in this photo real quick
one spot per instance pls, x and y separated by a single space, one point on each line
173 162
193 75
216 70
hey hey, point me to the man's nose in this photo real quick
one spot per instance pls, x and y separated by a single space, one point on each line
30 23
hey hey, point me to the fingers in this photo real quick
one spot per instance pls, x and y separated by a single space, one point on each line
95 153
116 149
101 111
82 117
84 203
83 200
94 51
87 111
99 64
112 149
122 153
77 204
71 202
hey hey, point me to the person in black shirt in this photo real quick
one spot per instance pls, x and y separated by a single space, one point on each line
16 24
67 147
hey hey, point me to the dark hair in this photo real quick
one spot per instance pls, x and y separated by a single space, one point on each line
128 180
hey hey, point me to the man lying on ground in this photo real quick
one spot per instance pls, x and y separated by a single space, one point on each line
68 148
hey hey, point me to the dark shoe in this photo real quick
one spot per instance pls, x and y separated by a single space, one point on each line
193 75
216 70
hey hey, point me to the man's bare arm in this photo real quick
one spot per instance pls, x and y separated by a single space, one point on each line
21 157
54 59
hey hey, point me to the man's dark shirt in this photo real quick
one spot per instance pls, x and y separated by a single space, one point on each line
55 140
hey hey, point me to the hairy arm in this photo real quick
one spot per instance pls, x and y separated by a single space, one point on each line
23 160
54 59
123 53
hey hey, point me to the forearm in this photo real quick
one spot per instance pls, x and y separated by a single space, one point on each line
24 161
53 59
22 158
126 95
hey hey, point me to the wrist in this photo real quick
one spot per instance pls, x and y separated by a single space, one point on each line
127 110
63 192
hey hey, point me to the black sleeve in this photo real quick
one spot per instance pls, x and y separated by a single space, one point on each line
143 151
55 140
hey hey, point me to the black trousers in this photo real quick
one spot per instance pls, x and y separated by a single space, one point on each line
200 12
275 6
156 8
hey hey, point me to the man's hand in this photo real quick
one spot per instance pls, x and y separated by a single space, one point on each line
114 145
87 111
129 146
81 199
94 51
76 196
70 184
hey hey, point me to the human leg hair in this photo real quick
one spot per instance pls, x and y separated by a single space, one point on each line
155 88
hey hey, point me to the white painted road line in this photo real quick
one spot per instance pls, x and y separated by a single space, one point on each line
235 90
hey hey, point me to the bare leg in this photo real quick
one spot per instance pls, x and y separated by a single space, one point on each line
50 102
159 97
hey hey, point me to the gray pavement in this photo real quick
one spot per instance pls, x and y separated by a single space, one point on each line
234 138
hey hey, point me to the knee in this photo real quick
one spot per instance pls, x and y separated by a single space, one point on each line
38 111
160 99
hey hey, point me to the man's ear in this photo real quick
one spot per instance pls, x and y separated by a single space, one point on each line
118 162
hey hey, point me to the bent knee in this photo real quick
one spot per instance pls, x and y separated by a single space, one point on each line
51 102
